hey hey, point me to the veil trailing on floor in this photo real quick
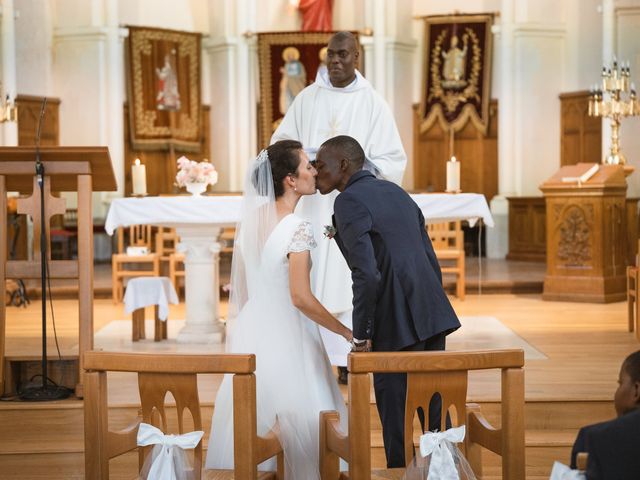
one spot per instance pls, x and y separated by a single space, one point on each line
258 218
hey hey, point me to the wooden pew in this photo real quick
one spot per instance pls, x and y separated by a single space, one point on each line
427 373
157 375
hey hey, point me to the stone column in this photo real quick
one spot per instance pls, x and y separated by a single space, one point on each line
389 57
88 73
232 88
9 87
202 284
609 50
498 236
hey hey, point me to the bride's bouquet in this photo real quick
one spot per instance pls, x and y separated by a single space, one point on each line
190 171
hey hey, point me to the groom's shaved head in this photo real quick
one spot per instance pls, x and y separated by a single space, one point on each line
337 159
346 147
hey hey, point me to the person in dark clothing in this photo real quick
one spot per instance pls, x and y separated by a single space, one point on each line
398 300
614 446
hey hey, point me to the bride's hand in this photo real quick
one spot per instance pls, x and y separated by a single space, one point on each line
348 335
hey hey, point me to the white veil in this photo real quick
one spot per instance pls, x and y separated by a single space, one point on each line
258 218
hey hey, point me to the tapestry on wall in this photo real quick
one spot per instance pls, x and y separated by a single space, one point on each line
289 61
164 89
457 71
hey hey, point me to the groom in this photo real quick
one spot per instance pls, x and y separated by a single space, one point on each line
398 300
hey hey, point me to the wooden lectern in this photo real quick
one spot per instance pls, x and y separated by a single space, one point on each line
586 234
67 169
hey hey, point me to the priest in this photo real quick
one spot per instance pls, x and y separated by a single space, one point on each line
340 102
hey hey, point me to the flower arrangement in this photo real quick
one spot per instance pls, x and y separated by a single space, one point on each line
190 171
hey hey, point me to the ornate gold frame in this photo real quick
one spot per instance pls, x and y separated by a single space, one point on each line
183 129
481 122
265 41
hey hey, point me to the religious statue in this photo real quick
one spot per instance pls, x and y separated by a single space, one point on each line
454 65
294 78
168 97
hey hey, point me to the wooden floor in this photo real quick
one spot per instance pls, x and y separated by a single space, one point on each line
584 345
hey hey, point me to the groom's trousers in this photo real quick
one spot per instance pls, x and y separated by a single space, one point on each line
391 392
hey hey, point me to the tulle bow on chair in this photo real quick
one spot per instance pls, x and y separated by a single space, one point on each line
168 460
561 472
442 466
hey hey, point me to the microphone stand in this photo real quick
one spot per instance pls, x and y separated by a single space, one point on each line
45 392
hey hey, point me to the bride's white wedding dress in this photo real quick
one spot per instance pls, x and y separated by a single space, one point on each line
294 380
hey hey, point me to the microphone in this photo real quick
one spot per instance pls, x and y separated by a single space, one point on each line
39 165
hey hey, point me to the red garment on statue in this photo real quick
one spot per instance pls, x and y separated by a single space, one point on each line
316 15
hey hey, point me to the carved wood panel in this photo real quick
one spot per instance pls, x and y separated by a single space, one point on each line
161 164
478 156
580 134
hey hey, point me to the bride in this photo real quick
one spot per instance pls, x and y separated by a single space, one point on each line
277 317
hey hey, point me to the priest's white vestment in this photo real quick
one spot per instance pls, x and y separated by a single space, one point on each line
322 111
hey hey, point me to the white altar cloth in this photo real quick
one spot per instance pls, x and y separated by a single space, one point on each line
173 211
446 207
225 210
146 291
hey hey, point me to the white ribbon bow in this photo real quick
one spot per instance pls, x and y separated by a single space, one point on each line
561 472
163 466
441 465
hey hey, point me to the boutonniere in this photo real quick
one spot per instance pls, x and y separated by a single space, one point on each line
329 231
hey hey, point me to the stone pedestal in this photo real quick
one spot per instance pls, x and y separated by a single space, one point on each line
202 249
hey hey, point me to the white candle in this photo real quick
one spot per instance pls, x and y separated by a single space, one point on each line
453 175
139 178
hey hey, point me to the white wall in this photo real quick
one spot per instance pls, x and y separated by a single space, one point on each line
34 26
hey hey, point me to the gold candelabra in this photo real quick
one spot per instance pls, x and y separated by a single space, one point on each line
615 84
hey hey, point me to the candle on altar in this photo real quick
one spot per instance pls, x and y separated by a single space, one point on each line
139 178
453 175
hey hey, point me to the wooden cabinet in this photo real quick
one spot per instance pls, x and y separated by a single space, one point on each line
477 153
527 229
580 134
29 108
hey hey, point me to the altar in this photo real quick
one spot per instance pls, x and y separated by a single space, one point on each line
199 221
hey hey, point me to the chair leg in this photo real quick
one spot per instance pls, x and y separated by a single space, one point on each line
460 285
630 310
114 282
137 324
630 298
160 327
637 305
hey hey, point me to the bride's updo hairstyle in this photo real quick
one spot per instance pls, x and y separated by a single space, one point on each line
284 158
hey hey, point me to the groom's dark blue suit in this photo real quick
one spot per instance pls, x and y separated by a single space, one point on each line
398 299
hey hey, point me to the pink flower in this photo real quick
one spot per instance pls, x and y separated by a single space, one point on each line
190 171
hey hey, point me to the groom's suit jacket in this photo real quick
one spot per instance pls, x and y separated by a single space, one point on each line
398 299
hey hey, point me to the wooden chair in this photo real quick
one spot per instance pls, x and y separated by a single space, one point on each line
157 375
166 241
176 269
139 236
428 373
448 243
64 235
633 307
226 239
